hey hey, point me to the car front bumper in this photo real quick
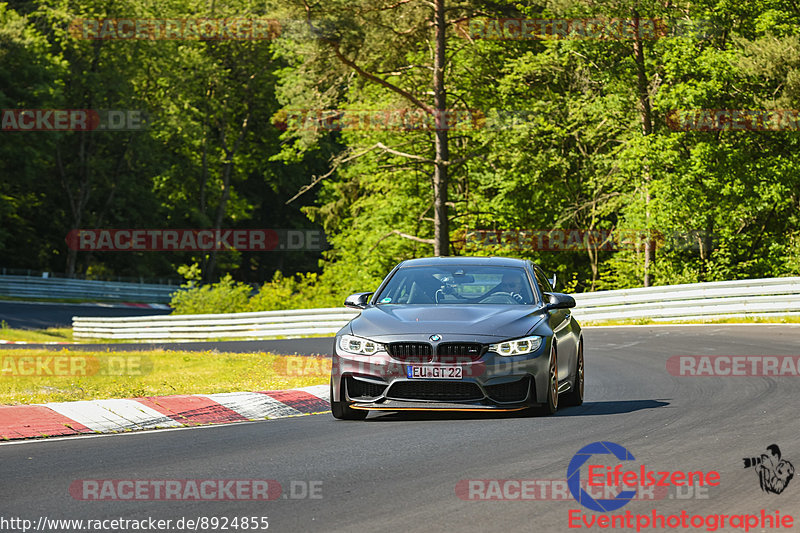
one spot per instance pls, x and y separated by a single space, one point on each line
490 382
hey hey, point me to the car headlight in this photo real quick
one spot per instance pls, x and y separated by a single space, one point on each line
359 345
517 346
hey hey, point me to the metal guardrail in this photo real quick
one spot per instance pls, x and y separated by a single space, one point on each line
50 288
30 273
719 299
762 297
256 325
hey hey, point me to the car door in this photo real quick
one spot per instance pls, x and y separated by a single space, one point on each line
560 321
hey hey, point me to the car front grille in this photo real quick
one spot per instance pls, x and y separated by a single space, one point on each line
443 391
459 350
446 352
516 391
363 389
411 352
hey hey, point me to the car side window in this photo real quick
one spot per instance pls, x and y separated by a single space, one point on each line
541 280
538 283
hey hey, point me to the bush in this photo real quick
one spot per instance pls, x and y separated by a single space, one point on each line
302 291
225 296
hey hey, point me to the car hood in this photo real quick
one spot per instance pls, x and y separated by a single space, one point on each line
505 321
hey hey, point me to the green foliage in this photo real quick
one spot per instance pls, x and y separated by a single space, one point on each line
202 162
720 204
224 296
300 291
191 273
303 291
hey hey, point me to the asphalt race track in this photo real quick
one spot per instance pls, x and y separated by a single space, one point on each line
400 472
40 315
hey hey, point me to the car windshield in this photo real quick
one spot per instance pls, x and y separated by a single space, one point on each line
458 285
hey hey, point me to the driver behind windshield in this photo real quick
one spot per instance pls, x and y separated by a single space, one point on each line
512 284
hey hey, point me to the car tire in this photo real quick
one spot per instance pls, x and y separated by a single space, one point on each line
551 405
575 395
342 411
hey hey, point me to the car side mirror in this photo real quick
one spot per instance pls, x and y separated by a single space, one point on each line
359 300
559 300
553 280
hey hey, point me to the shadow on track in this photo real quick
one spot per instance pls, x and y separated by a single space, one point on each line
615 407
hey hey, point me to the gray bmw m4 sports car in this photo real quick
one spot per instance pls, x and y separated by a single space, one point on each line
459 333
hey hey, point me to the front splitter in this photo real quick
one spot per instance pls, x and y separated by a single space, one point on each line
430 406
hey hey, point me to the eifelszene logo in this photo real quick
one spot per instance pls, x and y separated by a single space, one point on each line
774 473
574 476
601 475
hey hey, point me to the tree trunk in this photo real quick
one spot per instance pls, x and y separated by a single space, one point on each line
227 172
646 116
211 268
77 201
441 231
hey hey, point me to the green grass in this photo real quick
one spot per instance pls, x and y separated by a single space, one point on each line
35 335
99 375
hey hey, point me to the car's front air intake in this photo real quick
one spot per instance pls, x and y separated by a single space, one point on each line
442 391
357 388
516 391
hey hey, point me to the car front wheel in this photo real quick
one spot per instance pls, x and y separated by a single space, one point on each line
551 406
343 411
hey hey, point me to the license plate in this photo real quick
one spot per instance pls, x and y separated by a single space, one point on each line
433 372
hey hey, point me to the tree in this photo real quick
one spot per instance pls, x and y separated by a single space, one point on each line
363 38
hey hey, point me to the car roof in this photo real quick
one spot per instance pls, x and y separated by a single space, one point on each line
459 260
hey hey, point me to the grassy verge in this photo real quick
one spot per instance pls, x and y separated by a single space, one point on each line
36 335
36 376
